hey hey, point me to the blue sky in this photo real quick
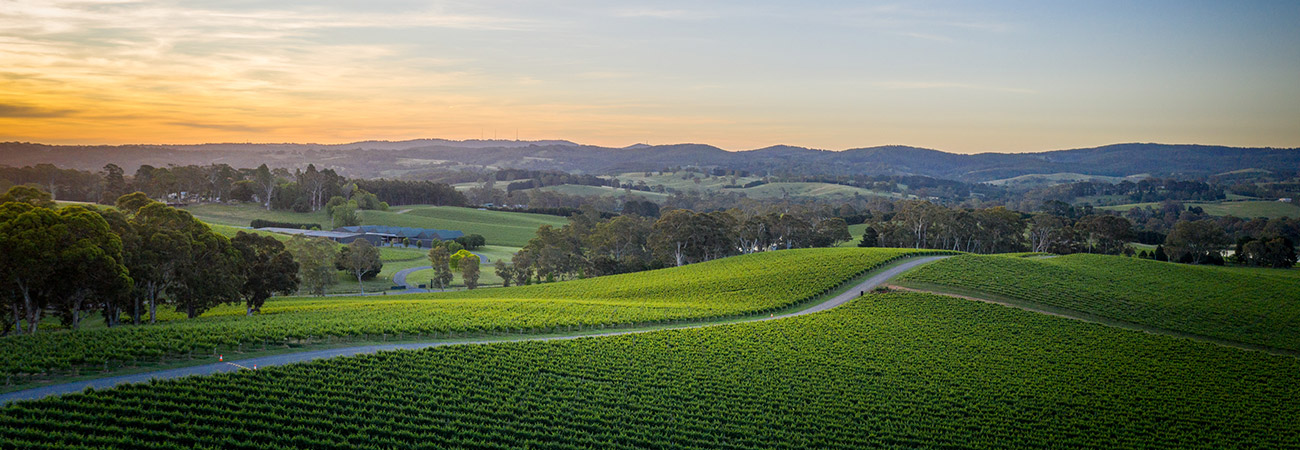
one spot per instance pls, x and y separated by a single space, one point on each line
1004 76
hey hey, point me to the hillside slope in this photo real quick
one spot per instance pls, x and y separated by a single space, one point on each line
1251 306
391 159
725 287
885 371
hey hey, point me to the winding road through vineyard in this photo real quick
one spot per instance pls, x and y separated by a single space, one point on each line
103 383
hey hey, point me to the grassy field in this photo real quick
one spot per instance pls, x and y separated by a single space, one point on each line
855 231
230 231
722 288
1244 209
885 371
228 220
717 184
675 181
1048 179
818 190
394 258
1253 306
487 275
507 231
514 229
510 229
604 191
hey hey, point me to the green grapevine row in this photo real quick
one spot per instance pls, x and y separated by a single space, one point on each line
1254 306
886 371
758 283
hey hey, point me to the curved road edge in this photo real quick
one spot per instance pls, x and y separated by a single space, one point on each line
290 358
399 278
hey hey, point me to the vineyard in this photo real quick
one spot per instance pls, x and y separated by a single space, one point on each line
886 371
1255 306
758 283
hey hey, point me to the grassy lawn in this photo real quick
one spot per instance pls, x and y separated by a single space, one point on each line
487 276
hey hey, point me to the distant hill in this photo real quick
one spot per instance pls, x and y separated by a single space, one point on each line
398 158
1048 179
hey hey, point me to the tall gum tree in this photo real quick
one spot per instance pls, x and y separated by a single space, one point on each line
31 238
268 266
92 264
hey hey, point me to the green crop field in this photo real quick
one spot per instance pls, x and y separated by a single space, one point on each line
1244 209
510 229
885 371
1254 306
727 287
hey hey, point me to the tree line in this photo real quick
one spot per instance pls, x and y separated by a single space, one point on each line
126 261
590 245
300 190
1193 238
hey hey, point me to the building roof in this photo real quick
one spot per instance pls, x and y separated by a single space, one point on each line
403 232
312 233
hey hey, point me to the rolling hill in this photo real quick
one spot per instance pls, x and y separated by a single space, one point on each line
1242 305
885 371
395 159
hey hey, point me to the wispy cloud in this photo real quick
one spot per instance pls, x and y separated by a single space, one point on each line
25 111
660 13
223 127
929 85
931 24
181 65
926 36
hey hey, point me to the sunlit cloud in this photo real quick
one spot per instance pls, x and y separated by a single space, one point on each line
734 74
223 127
31 111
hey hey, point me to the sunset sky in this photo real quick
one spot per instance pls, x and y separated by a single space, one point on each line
959 76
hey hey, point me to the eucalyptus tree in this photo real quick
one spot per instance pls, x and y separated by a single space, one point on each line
361 259
440 259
